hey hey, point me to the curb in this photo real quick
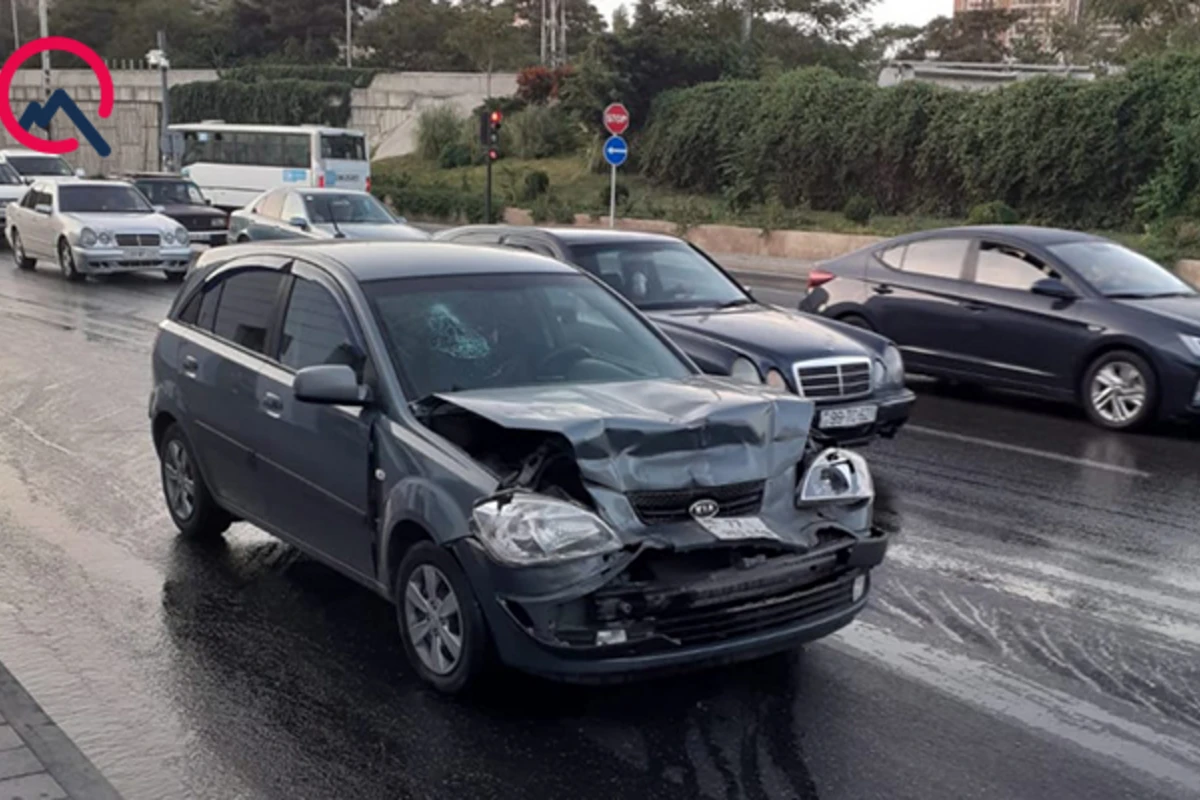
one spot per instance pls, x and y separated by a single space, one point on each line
59 756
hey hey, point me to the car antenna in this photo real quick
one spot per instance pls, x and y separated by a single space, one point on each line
337 232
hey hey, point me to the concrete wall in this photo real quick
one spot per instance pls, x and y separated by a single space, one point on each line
387 111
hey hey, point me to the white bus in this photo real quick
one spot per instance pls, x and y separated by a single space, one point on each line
233 164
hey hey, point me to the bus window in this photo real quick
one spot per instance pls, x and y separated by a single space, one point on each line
343 147
296 151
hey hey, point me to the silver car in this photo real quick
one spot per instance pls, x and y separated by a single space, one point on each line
34 166
319 214
95 228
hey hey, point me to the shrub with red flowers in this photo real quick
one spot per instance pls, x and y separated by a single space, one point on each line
539 84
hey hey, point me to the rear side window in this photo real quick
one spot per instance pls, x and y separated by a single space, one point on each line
894 256
314 329
244 310
938 258
272 205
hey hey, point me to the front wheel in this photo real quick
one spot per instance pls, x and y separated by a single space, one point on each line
1120 391
66 262
444 633
19 256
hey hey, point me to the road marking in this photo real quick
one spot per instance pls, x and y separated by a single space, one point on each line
1028 451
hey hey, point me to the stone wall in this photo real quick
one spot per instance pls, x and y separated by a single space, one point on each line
386 111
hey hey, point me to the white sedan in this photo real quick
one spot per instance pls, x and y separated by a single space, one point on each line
95 228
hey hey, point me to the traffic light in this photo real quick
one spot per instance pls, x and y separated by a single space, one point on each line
489 133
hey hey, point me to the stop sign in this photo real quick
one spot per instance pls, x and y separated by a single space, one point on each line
616 119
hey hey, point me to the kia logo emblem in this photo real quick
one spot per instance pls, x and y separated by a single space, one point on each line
703 509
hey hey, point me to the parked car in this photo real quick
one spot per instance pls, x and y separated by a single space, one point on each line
95 228
12 189
507 450
33 166
1062 314
181 199
855 377
319 214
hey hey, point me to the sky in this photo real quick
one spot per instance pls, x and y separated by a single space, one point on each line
901 12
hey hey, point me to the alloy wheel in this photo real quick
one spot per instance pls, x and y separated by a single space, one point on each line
180 480
434 619
1119 392
66 261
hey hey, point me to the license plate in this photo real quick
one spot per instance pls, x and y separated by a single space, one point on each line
732 529
847 417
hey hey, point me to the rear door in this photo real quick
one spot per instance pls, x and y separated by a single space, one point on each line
915 298
222 367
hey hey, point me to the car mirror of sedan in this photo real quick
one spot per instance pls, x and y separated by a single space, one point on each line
299 222
1053 287
330 384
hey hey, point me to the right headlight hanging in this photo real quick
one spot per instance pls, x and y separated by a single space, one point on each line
837 477
529 530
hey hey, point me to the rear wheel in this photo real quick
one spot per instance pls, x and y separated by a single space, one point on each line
18 247
66 262
1120 391
191 505
857 321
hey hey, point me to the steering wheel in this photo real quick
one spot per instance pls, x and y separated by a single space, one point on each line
561 358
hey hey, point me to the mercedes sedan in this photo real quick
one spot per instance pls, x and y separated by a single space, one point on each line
319 214
508 451
1057 313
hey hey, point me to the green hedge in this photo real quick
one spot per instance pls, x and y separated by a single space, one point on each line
442 203
1098 154
356 77
265 102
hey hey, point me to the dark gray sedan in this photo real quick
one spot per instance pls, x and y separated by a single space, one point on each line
507 450
311 213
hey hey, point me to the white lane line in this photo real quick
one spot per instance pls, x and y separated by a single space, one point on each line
1114 738
1028 451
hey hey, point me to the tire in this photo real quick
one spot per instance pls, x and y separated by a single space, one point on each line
425 561
18 249
205 520
1119 391
174 276
66 263
857 321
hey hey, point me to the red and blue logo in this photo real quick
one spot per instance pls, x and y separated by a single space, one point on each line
41 114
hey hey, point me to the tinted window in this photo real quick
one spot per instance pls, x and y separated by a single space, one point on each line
40 165
1009 268
343 147
191 312
1117 271
30 199
659 274
260 149
9 176
940 258
272 205
171 193
462 332
246 304
114 199
314 329
329 207
211 298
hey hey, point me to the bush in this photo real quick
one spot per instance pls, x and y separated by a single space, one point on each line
356 77
604 196
535 185
454 155
993 213
263 102
538 132
538 85
858 210
437 128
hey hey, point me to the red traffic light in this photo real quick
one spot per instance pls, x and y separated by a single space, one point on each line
493 154
496 117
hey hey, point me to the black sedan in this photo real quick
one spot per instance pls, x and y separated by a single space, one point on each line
181 200
1057 313
855 377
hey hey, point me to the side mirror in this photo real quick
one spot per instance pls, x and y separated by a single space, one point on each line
299 222
208 201
329 384
42 208
1053 287
80 173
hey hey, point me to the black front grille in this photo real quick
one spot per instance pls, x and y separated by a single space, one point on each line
733 500
137 239
834 381
202 224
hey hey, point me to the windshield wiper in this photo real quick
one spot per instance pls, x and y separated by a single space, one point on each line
741 301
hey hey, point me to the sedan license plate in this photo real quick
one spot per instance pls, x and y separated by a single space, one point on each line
732 529
847 417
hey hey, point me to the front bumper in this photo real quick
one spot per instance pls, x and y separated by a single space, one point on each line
894 408
112 260
212 238
655 613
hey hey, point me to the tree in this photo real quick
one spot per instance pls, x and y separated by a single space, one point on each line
485 36
411 35
972 37
620 20
1147 26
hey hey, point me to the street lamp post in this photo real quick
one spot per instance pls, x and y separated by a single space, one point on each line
16 25
349 33
44 26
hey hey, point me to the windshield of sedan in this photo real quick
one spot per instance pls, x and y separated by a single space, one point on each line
359 209
1118 272
40 165
102 200
172 193
461 332
660 275
9 176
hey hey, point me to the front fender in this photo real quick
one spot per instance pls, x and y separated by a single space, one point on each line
422 502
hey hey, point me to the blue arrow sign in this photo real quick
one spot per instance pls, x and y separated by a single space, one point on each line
616 151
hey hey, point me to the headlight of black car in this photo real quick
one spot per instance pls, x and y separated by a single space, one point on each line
889 371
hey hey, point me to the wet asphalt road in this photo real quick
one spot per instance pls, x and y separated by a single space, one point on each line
1035 632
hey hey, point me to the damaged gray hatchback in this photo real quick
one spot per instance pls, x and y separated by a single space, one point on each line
508 451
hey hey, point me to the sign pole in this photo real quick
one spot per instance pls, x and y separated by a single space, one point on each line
616 151
487 195
612 199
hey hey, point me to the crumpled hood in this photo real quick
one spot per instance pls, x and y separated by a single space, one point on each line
661 434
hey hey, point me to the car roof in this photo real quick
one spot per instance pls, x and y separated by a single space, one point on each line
141 176
320 190
368 261
1031 234
577 235
92 182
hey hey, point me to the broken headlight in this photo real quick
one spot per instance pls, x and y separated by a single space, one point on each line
526 530
835 476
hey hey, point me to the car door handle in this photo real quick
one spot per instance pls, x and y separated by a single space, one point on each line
971 305
883 288
272 405
190 365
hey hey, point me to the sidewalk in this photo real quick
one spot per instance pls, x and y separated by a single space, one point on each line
37 760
